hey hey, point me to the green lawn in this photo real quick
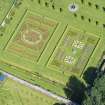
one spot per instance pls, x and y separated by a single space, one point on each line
5 5
66 43
13 93
34 78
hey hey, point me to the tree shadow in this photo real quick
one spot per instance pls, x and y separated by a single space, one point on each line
89 75
75 88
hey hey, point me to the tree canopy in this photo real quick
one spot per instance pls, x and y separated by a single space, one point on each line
75 89
96 96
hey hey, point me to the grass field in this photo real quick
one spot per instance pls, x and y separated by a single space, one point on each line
35 78
13 93
45 43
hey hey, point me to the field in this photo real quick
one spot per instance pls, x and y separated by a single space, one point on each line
13 93
44 43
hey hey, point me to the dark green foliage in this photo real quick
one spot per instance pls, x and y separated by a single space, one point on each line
90 75
97 93
75 89
18 3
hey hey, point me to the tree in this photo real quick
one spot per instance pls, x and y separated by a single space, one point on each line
97 93
18 3
75 89
90 75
